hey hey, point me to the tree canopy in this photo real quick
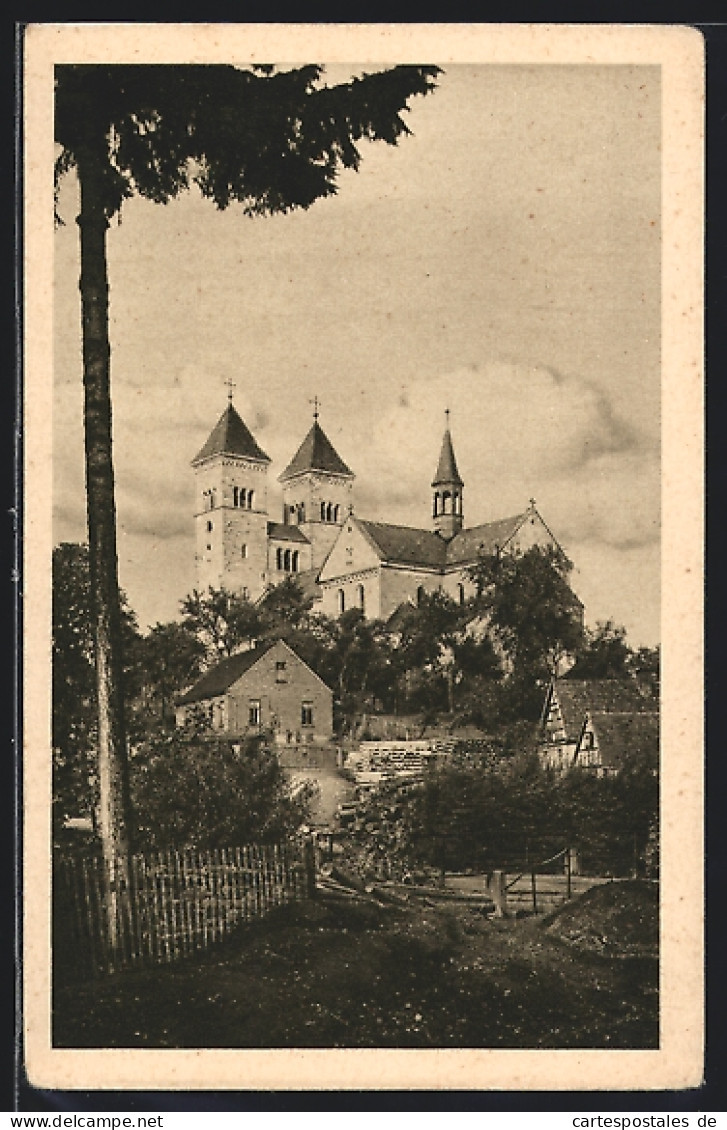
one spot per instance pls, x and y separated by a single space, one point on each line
268 139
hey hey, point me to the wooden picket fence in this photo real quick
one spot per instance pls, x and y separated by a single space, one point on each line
174 904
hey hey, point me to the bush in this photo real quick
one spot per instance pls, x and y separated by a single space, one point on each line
194 790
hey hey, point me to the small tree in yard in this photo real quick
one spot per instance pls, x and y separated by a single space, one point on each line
267 140
190 789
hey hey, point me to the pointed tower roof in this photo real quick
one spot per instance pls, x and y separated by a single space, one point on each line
447 467
316 453
231 436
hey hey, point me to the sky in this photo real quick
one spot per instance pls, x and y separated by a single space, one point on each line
502 262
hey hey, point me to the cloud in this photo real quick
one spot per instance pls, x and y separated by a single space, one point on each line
519 430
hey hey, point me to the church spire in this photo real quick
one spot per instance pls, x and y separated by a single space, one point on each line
448 489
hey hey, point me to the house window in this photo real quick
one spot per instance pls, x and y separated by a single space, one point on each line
341 601
280 676
254 712
294 561
279 558
243 550
306 714
361 593
209 527
235 496
250 497
420 594
460 593
323 512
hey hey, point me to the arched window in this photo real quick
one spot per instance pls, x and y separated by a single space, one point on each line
294 561
436 504
361 596
250 497
328 512
286 561
235 494
446 500
336 511
279 558
420 594
341 601
460 593
301 512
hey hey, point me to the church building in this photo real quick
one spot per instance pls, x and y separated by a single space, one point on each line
342 560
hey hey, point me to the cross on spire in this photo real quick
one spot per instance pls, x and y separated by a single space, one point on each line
446 415
230 386
316 405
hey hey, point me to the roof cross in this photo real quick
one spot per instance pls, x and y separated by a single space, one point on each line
316 405
230 386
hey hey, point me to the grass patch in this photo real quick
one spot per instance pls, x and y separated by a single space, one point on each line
334 973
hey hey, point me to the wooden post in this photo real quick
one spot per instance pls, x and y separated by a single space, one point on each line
535 894
567 873
309 864
497 892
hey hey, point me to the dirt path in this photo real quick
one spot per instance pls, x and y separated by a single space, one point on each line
334 789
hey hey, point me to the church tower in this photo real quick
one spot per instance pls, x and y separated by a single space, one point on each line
231 509
317 491
448 490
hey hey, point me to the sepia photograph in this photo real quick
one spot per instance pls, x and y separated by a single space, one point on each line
363 526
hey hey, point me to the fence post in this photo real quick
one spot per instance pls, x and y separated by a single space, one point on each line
535 895
309 864
498 894
567 873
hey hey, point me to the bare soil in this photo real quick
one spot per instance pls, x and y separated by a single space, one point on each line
346 972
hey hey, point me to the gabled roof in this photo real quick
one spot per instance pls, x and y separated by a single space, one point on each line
447 467
468 545
598 697
403 545
316 453
278 531
221 677
230 436
633 735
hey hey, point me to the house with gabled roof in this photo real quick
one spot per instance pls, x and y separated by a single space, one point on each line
266 690
598 724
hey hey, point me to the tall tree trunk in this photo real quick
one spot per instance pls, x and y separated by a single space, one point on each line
114 805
